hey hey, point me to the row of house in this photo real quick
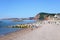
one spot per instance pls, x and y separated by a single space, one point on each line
55 17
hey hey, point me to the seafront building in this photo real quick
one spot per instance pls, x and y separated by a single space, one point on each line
47 16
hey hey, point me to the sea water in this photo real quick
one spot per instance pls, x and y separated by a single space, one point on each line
5 23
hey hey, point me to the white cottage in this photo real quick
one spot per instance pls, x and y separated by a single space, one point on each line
57 16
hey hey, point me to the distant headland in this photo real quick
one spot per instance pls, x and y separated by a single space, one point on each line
39 16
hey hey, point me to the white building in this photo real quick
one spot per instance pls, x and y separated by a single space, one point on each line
57 16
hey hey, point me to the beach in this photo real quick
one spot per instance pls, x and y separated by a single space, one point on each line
46 31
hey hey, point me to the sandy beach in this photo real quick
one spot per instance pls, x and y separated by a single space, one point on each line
45 32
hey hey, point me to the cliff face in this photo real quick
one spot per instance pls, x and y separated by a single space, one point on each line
40 16
45 16
36 17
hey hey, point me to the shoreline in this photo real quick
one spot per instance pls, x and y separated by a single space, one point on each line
10 32
36 33
14 34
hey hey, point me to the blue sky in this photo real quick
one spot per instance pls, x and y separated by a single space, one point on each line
27 8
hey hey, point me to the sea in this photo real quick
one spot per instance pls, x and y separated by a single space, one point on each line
5 23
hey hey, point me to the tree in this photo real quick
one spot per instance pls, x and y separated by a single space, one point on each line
42 14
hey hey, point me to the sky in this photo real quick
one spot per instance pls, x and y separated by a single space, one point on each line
27 8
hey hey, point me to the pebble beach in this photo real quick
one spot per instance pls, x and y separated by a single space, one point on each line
48 30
